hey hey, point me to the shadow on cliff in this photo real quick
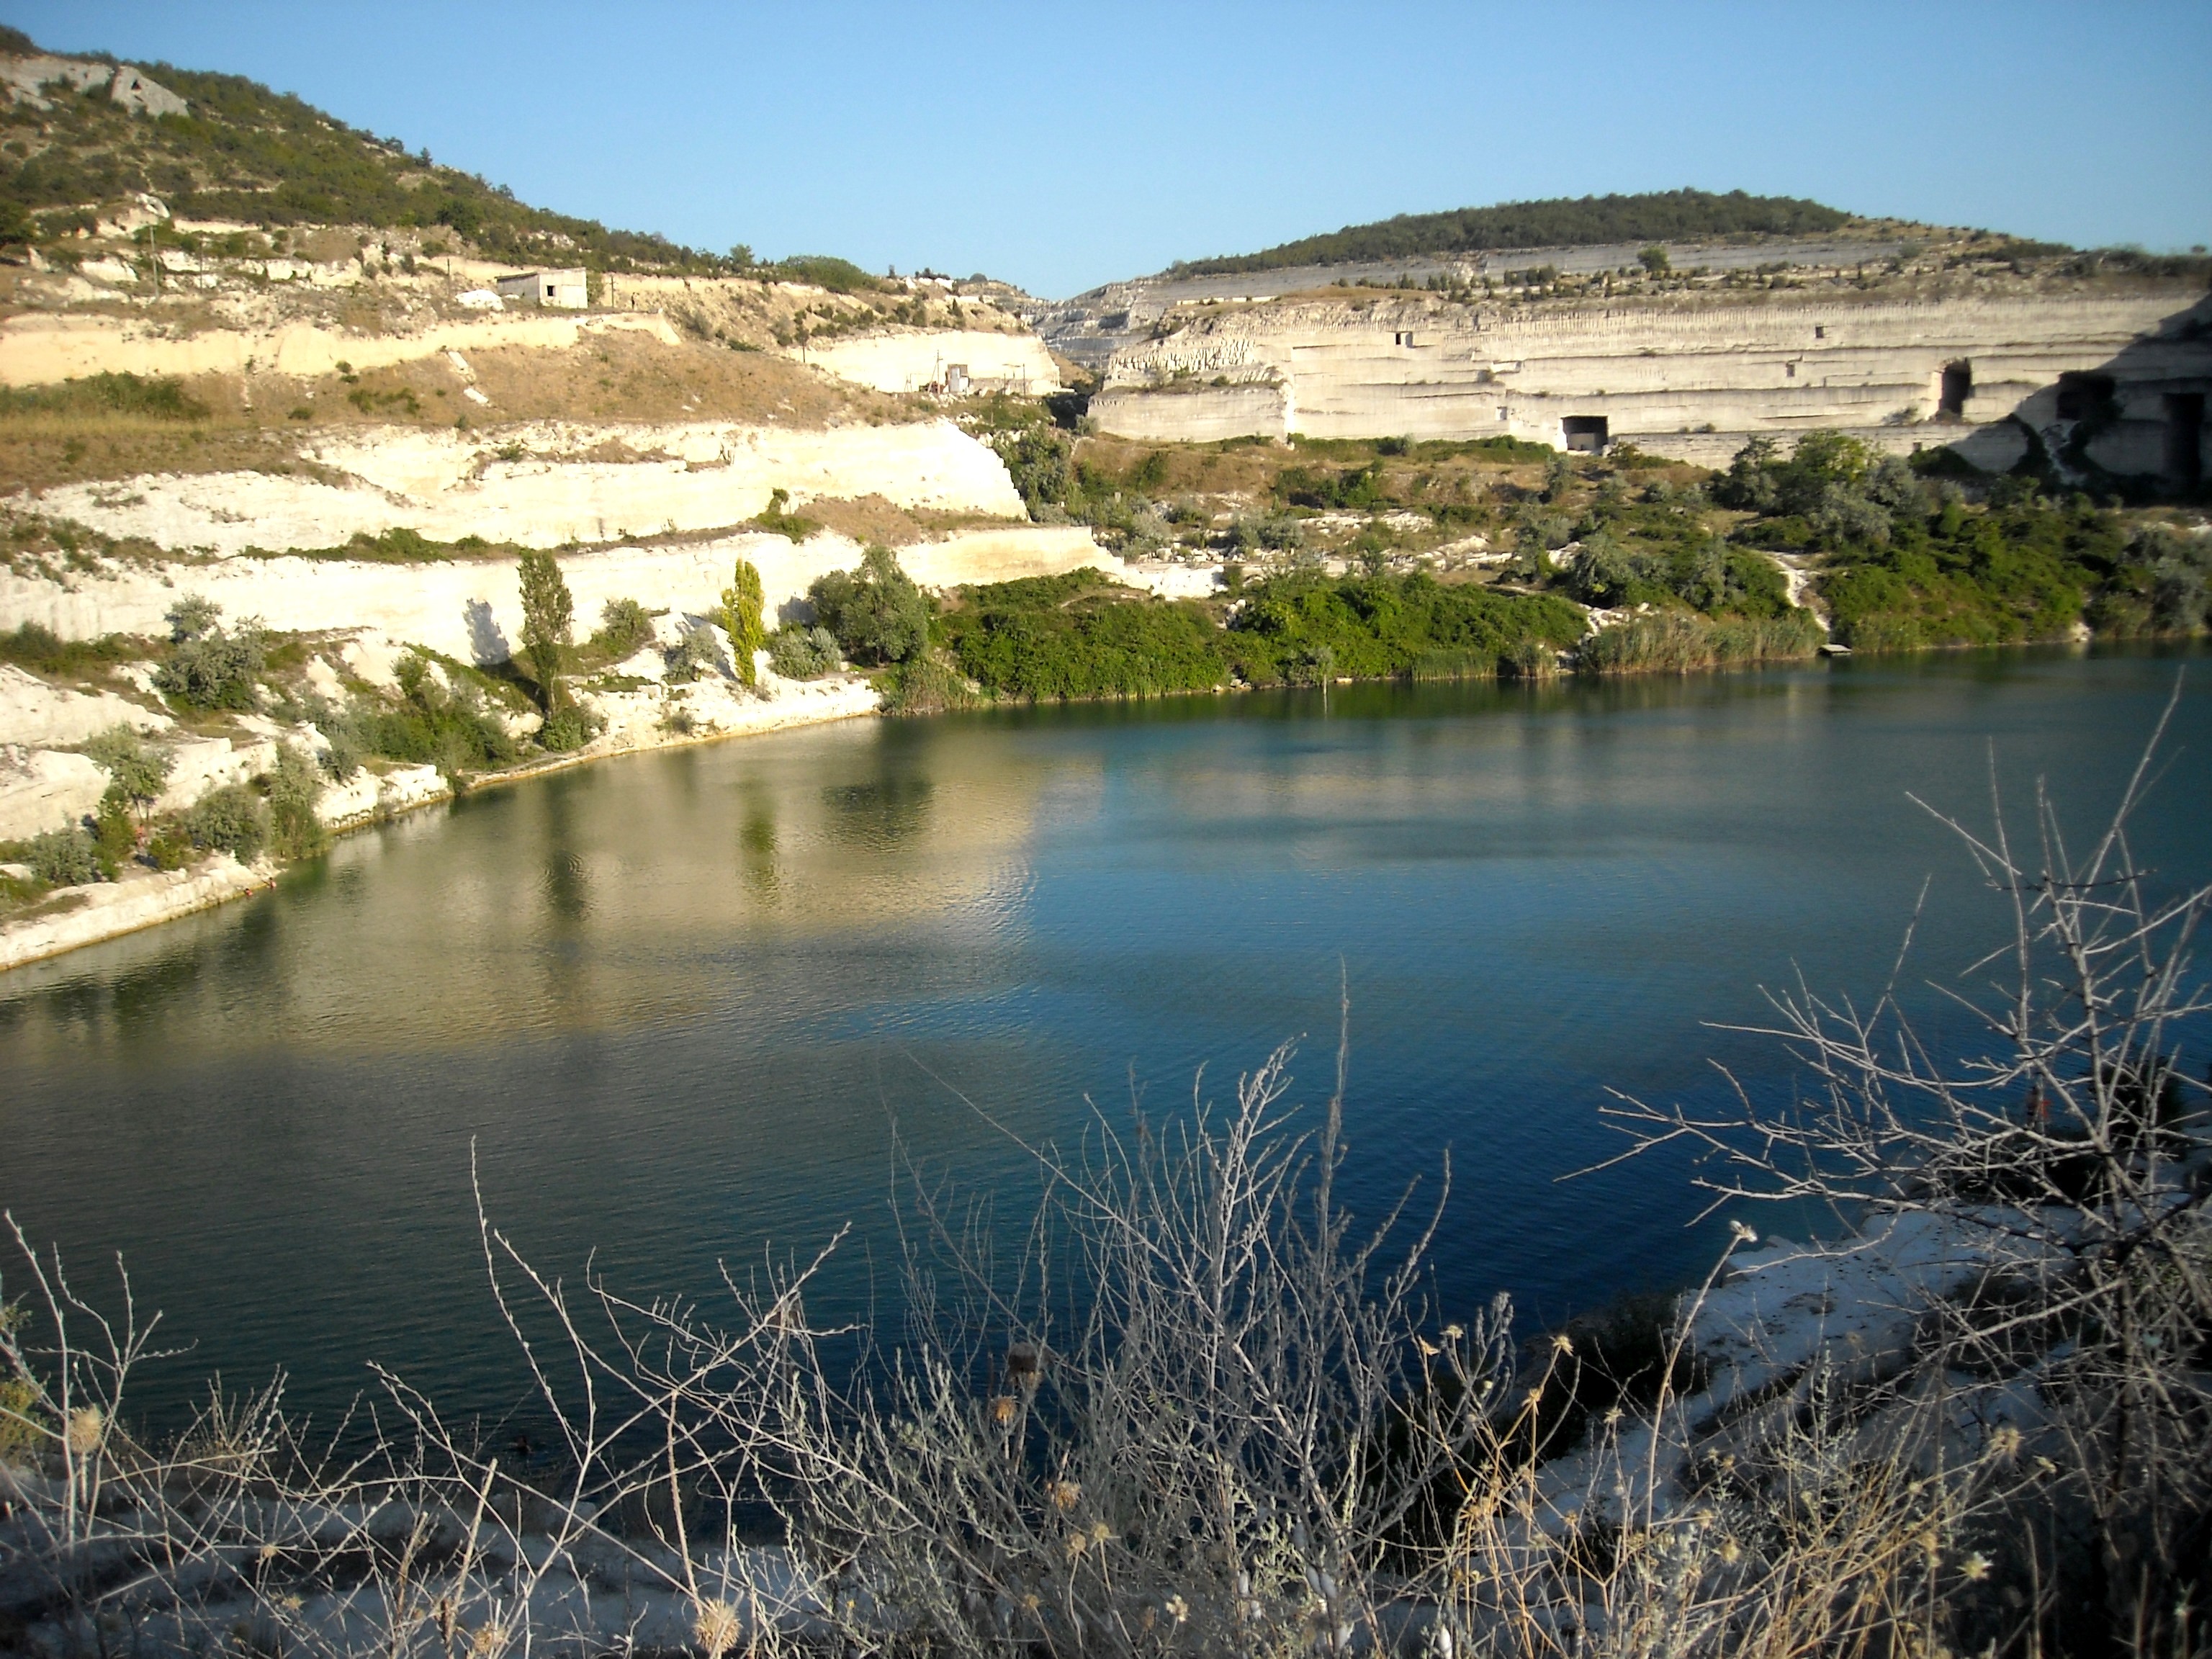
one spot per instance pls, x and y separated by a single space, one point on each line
2132 428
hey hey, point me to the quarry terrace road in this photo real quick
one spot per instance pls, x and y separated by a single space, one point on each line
695 1005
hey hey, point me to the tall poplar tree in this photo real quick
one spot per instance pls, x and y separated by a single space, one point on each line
547 611
742 604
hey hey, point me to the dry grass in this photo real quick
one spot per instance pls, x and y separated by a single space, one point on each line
261 424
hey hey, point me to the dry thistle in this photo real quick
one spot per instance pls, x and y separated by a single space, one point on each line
1065 1495
716 1628
1178 1609
87 1427
1004 1409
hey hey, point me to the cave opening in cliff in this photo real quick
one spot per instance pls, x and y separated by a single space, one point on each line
1958 386
1585 434
2085 397
2184 440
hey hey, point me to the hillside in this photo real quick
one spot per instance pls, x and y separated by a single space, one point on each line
244 154
1662 215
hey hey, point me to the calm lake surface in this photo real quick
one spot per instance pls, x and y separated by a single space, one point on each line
681 1003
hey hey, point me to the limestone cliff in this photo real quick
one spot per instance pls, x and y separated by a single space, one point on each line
1689 376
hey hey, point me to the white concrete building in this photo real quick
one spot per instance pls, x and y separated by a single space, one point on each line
565 288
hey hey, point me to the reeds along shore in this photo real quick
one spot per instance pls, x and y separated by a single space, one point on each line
1202 1409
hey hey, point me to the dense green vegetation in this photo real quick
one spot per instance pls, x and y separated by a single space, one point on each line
1673 214
878 616
1081 635
1914 560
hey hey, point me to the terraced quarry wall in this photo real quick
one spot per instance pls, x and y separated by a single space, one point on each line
1689 378
541 484
470 609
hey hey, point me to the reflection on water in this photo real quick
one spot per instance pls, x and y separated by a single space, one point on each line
680 1003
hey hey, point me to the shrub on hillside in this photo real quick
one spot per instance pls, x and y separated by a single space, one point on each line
295 784
877 614
625 628
230 820
799 653
209 667
63 858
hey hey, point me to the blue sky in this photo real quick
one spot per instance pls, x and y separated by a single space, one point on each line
1060 146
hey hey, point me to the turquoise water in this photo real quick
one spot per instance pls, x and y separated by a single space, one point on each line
681 1004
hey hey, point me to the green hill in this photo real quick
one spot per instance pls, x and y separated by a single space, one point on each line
1661 215
269 159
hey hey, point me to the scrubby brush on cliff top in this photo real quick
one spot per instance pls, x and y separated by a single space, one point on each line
1673 215
242 153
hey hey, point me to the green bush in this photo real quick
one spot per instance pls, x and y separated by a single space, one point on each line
695 653
923 684
877 614
799 653
1383 627
170 846
1078 635
295 786
427 725
570 728
230 820
115 831
1669 216
137 769
625 628
777 518
64 858
208 667
160 397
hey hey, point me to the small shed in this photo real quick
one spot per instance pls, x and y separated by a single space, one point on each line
565 288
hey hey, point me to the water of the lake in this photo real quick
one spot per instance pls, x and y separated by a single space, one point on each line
681 1002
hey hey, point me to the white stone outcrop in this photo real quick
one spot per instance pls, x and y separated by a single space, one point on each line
1689 376
525 485
198 765
27 80
471 610
141 899
907 360
39 348
43 789
34 712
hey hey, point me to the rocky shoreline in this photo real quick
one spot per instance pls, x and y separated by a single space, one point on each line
78 917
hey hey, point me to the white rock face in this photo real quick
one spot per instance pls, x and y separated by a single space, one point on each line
446 484
41 789
198 765
32 712
471 610
906 362
1691 378
141 899
39 347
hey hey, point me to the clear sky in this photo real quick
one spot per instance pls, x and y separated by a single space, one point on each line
1061 146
